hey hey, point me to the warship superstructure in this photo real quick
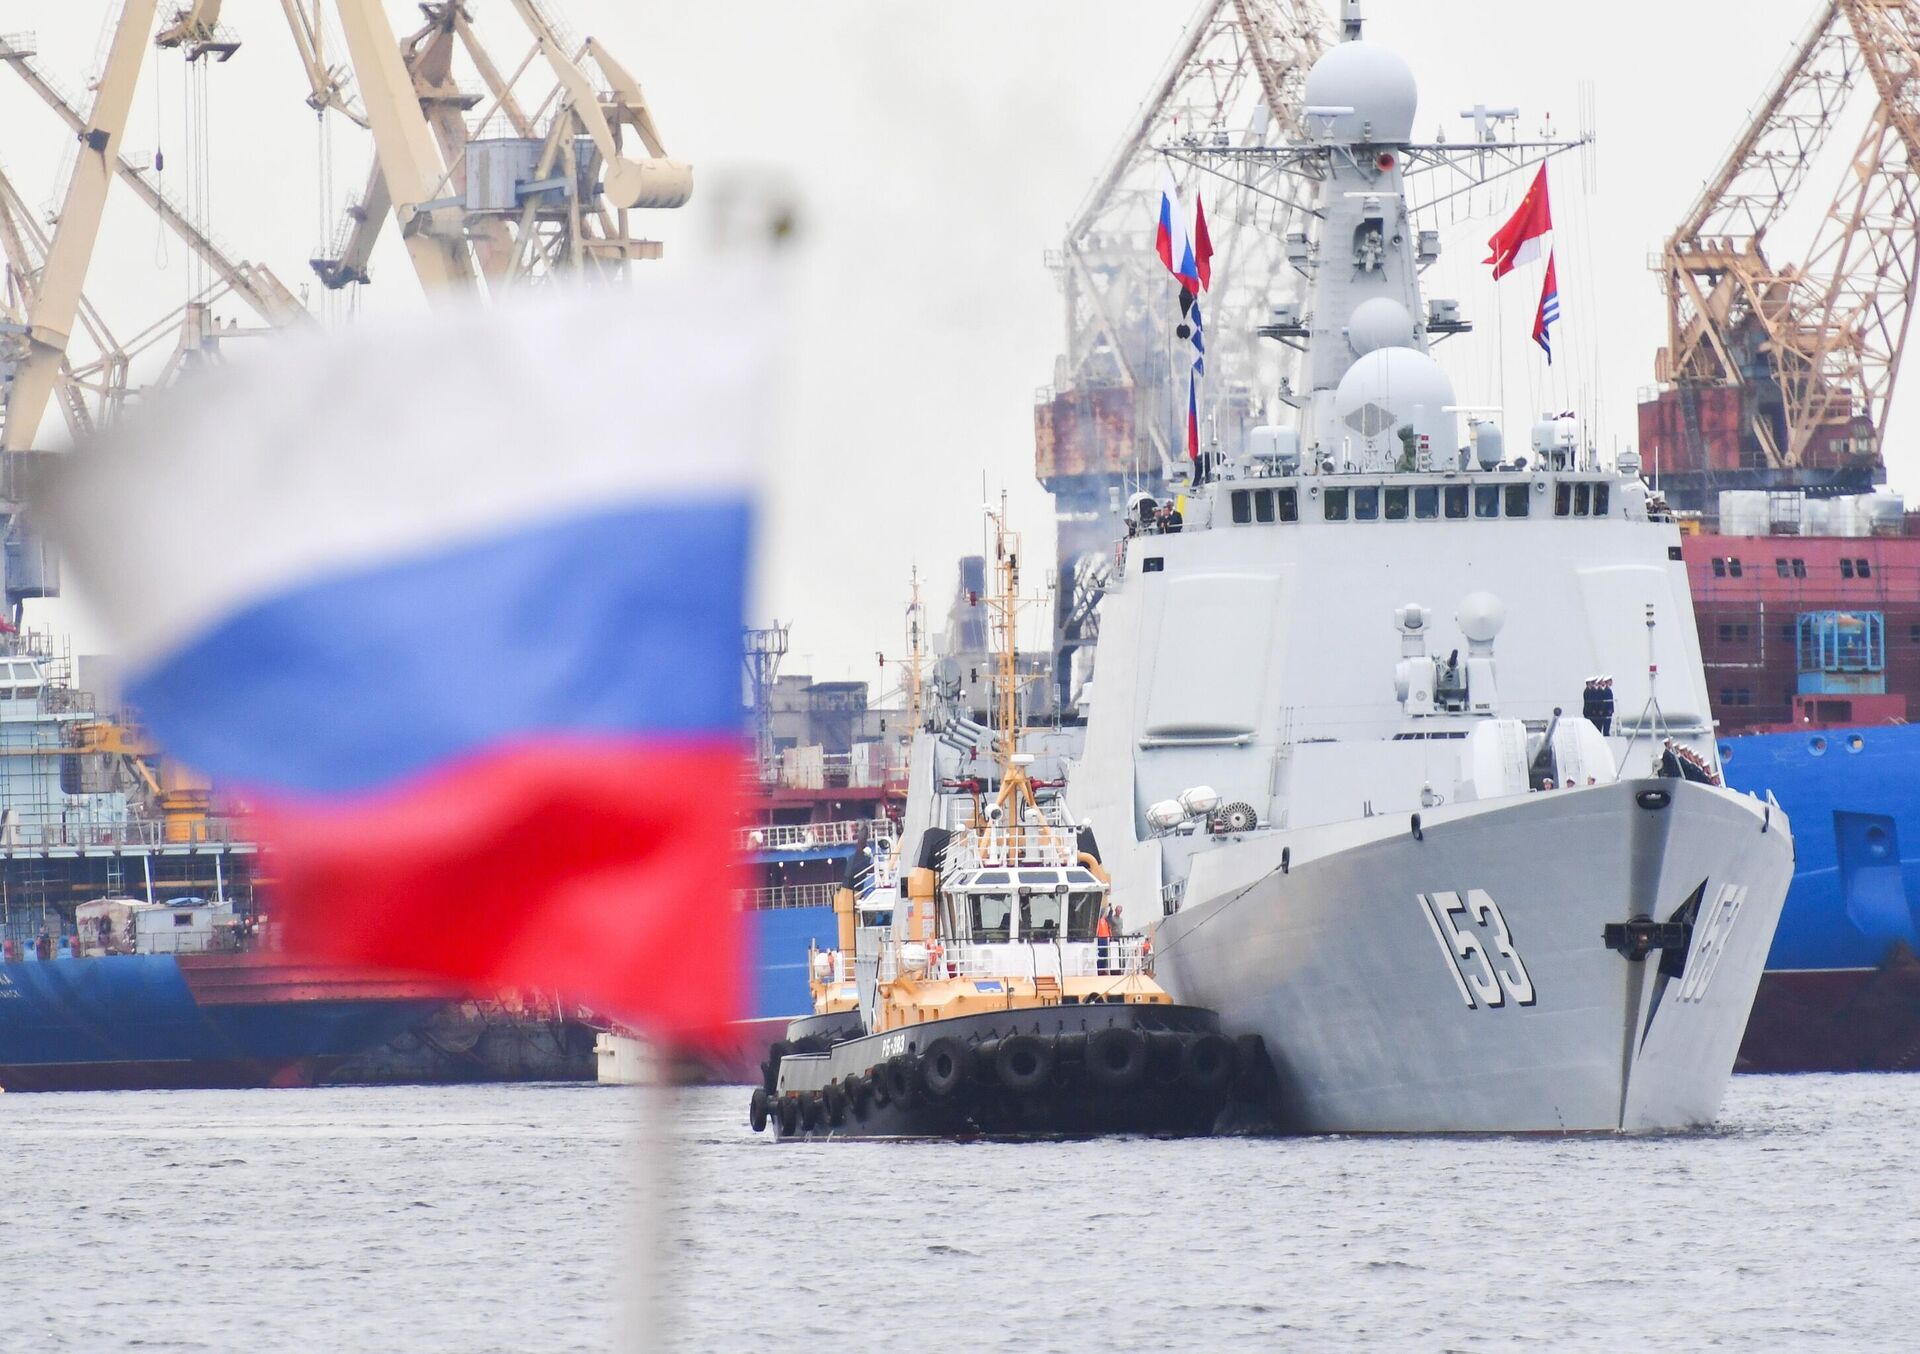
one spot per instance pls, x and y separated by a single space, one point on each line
1446 898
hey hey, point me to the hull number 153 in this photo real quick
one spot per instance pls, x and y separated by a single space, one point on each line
1478 949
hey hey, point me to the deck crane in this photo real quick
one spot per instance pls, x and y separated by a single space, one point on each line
1235 78
1780 362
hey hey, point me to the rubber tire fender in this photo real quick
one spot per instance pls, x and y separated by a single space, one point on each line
902 1078
757 1109
770 1069
943 1068
835 1099
809 1108
859 1094
1024 1062
984 1053
1206 1064
877 1083
1165 1050
789 1115
1116 1057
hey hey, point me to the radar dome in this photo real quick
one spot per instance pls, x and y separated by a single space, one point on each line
1480 616
1381 322
1394 399
1371 80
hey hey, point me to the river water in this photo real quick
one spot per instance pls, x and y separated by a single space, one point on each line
475 1219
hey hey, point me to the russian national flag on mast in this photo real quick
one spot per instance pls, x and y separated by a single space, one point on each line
1522 238
1171 240
456 604
1548 313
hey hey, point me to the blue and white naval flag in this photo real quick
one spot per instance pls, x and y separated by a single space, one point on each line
1548 313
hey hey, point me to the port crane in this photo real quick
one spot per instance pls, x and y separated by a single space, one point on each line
543 178
1235 78
1801 346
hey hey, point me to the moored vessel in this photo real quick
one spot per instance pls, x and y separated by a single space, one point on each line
986 991
1444 903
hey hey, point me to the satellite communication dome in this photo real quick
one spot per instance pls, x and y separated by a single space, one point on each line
1395 389
1371 80
1480 616
1381 322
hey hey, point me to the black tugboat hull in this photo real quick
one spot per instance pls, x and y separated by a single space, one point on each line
1048 1072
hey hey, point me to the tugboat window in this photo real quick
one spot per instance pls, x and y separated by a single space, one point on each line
1083 915
991 915
1517 500
1336 505
1486 500
1040 916
1396 505
1242 507
1582 499
1456 500
1366 504
1562 499
1289 504
1263 505
1426 503
1599 500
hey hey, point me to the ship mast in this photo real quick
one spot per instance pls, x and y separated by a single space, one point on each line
916 657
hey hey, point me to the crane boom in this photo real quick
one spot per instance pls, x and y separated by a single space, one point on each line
409 159
57 299
1776 373
253 283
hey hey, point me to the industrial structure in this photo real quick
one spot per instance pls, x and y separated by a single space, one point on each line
1781 355
491 174
1109 420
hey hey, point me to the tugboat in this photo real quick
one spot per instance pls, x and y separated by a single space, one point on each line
985 992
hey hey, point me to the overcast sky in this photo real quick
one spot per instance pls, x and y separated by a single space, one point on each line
940 150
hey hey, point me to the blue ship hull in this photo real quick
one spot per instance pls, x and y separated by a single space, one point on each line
780 940
138 1021
1842 989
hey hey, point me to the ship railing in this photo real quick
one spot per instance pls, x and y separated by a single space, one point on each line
1121 956
831 966
133 833
789 895
808 836
1024 844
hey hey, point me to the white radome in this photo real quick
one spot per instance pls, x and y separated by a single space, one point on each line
1380 322
1480 617
1373 81
1393 388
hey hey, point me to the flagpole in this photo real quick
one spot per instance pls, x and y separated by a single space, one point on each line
645 1316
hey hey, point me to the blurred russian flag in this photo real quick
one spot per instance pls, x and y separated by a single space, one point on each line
456 603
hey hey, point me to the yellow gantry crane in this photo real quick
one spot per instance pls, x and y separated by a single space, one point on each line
523 188
1812 342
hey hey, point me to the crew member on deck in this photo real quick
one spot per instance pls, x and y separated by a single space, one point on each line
1103 932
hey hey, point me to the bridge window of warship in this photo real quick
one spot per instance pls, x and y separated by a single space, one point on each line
1456 498
1265 505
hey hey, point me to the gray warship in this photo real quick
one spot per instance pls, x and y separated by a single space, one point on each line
1336 753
